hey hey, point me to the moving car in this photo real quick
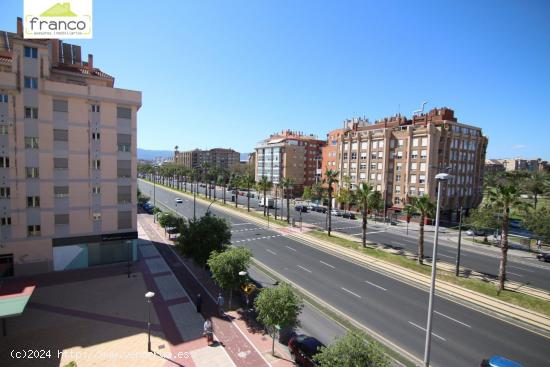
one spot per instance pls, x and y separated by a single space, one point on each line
348 215
475 232
336 212
498 361
302 349
544 257
320 209
179 201
301 208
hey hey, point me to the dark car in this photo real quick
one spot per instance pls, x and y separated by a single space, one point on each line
302 349
301 208
498 361
545 256
320 209
348 215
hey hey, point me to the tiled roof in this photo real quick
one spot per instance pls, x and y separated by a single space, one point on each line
83 70
5 60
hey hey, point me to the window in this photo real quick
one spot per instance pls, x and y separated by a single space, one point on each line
60 105
31 83
31 112
398 166
415 142
95 136
397 189
424 154
379 165
397 178
353 155
5 221
3 98
373 176
375 145
123 113
373 166
400 142
124 219
421 191
60 135
423 166
362 166
399 154
61 191
4 162
422 179
362 175
4 192
96 216
346 146
363 155
412 191
354 165
424 142
373 155
381 144
61 163
364 145
33 201
31 142
413 178
379 177
31 172
33 230
413 166
414 154
353 146
397 201
31 52
345 156
61 219
380 155
95 108
96 164
378 187
96 189
124 168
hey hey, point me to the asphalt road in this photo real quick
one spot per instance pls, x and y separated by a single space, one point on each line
525 270
395 310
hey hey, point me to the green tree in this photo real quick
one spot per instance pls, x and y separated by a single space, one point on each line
142 199
503 198
409 211
307 194
539 222
352 350
363 194
535 185
198 238
331 178
248 182
287 184
235 181
226 265
278 307
264 185
168 220
376 202
483 218
425 207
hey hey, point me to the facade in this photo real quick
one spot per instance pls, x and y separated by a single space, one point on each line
217 157
400 157
494 166
289 154
518 164
68 159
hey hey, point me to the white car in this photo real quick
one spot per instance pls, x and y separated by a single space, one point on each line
179 201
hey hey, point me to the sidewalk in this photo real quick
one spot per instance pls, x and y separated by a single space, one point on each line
241 345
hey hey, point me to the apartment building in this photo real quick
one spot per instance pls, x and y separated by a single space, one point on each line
290 154
218 157
400 157
517 164
67 159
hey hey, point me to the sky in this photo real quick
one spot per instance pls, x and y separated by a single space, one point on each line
230 73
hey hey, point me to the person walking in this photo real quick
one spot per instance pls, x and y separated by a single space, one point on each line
539 244
208 331
198 303
220 303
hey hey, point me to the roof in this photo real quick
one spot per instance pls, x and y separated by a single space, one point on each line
83 70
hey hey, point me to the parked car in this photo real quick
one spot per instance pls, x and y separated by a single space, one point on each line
148 208
544 257
302 349
179 201
336 212
498 361
348 215
475 232
301 208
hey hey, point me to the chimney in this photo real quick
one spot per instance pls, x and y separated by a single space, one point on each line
90 61
19 26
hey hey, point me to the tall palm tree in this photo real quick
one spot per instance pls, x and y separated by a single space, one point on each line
363 194
408 209
331 178
235 180
263 186
426 207
204 169
286 184
536 185
248 182
504 198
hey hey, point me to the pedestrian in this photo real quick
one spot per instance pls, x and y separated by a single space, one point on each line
539 244
198 303
220 303
208 331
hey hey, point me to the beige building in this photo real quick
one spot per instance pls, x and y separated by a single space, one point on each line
400 157
217 157
518 164
67 159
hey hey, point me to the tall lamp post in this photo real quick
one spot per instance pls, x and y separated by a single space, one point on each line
440 177
457 270
148 297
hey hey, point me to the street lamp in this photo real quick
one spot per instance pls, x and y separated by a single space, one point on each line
457 270
148 297
440 177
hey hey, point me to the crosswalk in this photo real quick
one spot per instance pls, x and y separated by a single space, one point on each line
245 230
257 238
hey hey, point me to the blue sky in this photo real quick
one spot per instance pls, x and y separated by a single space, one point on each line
229 73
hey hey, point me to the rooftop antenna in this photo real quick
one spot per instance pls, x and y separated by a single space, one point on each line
418 112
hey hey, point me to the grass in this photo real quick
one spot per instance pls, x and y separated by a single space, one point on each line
483 287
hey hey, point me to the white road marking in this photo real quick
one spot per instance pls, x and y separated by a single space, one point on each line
451 257
290 248
301 267
376 285
515 267
355 294
421 328
519 275
271 252
240 224
450 318
322 262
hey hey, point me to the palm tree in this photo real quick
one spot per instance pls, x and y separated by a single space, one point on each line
504 198
286 184
263 186
204 169
248 182
536 185
331 178
426 207
409 211
363 194
235 180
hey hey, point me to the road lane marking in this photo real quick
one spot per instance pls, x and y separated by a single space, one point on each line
271 252
355 294
290 248
376 285
421 328
241 224
301 267
519 275
322 262
515 267
451 257
450 318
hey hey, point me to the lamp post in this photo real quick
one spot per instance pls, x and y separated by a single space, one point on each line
459 240
243 274
440 177
148 297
